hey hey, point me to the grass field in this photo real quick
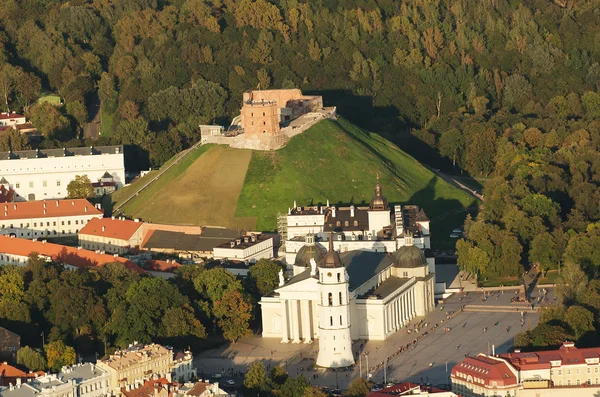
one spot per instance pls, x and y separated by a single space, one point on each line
106 124
205 194
337 161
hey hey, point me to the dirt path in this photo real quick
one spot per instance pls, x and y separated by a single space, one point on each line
206 194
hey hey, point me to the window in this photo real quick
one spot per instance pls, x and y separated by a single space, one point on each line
339 277
331 321
355 223
346 223
330 299
34 224
31 184
17 185
77 222
340 298
45 184
62 223
404 274
54 223
69 223
47 223
340 320
57 183
560 371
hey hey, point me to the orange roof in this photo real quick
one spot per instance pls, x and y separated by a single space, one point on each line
148 388
108 227
47 208
198 389
62 253
8 371
486 368
162 266
567 354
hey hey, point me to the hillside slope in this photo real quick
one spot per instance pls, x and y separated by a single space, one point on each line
339 162
333 160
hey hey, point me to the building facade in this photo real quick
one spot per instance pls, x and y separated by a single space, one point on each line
370 228
10 343
112 235
183 369
249 248
373 295
46 218
561 372
263 111
81 380
45 174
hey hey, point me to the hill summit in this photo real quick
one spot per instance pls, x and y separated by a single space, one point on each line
333 160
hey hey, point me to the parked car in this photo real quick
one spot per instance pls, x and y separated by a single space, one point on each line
457 230
230 382
455 235
217 376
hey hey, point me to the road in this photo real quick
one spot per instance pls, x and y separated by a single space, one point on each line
456 183
92 129
435 348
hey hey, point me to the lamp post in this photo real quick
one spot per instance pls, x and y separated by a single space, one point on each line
367 357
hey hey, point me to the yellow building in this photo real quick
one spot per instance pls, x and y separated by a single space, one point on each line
129 367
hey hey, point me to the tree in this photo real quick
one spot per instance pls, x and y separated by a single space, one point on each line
359 387
48 120
471 259
78 111
12 285
517 91
580 320
591 103
108 94
58 355
313 391
33 359
234 313
180 321
571 283
80 187
452 145
543 250
264 275
12 139
214 283
255 380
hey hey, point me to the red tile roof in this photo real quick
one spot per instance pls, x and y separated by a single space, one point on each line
486 368
7 116
9 374
109 227
403 387
62 253
567 354
148 388
161 266
47 208
198 388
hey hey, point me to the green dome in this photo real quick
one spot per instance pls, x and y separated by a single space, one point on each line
308 252
409 256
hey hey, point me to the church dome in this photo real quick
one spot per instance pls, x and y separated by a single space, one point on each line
378 202
409 256
308 252
332 258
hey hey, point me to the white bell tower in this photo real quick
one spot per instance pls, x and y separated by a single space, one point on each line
335 344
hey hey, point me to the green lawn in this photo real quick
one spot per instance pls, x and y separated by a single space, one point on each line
336 160
505 281
106 123
134 205
442 227
550 277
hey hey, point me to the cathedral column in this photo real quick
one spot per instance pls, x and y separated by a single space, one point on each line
394 317
400 324
414 303
285 337
306 321
404 308
295 321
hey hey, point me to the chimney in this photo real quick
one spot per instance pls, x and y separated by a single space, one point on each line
44 204
136 220
44 241
44 212
72 203
327 203
333 211
295 206
14 206
64 151
112 217
91 150
254 238
103 228
118 150
78 248
18 382
352 211
116 255
232 244
57 203
85 209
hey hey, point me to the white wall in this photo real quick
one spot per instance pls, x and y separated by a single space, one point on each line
263 249
46 227
47 178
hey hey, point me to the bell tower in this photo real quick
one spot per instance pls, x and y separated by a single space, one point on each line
335 344
379 211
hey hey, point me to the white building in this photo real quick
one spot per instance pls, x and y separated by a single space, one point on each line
82 380
373 228
183 367
11 119
381 292
45 174
46 218
249 248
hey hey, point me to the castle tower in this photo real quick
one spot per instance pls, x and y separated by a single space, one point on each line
335 344
379 211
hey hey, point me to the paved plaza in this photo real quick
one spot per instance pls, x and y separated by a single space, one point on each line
483 323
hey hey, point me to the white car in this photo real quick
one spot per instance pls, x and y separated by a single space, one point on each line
457 230
217 376
455 235
230 382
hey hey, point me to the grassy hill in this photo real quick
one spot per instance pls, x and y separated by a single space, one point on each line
338 161
335 160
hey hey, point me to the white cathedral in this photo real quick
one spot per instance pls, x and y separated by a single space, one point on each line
379 281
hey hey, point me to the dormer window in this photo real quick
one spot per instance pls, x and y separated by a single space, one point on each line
355 223
338 223
346 223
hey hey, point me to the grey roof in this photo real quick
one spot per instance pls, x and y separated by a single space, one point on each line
342 215
220 232
409 256
80 373
308 252
77 151
178 241
363 265
389 286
